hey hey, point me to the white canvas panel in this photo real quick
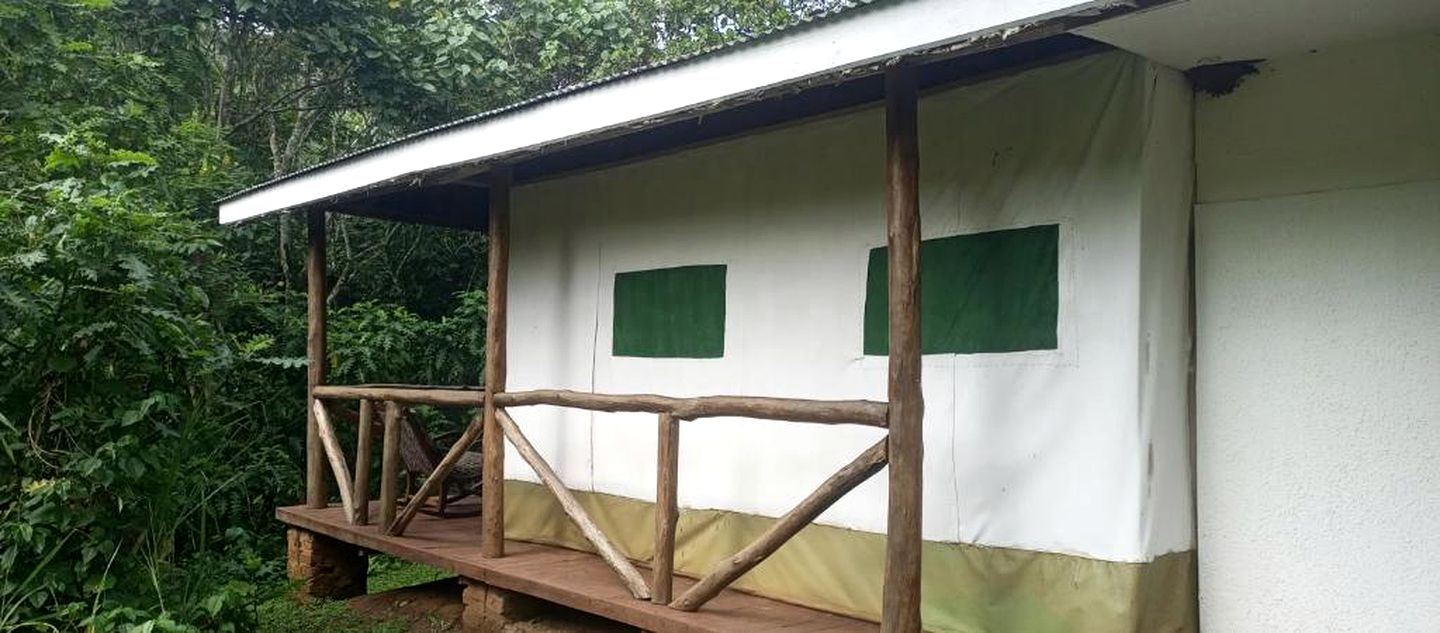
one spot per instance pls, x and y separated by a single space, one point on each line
1043 450
1008 153
551 332
1166 321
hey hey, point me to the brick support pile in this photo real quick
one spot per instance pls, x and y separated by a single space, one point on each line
327 568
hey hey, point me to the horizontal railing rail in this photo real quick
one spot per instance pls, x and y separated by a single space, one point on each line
410 394
863 412
866 412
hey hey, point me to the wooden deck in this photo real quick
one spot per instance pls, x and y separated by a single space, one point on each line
577 580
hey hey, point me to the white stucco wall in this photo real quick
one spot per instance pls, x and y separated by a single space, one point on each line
1081 450
1318 306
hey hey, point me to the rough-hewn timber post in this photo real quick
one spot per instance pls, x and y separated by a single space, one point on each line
667 509
360 491
315 493
901 606
389 465
492 495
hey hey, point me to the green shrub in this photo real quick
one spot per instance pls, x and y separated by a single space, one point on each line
131 449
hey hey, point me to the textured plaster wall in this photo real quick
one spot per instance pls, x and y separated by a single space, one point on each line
1318 306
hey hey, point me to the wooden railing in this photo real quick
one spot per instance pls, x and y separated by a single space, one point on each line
354 491
796 410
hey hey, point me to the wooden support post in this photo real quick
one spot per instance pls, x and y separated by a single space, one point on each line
315 291
843 481
667 508
900 609
492 478
361 491
335 457
389 465
571 506
436 477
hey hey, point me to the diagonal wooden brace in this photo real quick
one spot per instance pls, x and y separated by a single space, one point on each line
843 481
607 550
442 470
336 459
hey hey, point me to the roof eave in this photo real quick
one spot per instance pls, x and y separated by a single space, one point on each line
850 44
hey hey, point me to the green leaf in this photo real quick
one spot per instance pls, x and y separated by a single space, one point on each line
59 159
139 271
61 363
121 157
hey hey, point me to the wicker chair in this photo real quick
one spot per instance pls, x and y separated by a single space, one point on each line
420 457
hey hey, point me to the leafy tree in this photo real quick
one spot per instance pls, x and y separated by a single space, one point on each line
151 364
361 71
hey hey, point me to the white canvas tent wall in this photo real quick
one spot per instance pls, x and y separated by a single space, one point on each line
1080 450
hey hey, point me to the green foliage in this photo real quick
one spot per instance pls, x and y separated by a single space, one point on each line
376 343
130 456
286 614
388 572
152 363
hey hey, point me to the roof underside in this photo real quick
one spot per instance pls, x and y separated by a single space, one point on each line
463 203
438 176
1198 32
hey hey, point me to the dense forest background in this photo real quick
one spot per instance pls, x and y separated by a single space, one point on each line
152 362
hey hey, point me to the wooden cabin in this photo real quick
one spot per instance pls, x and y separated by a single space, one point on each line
1039 315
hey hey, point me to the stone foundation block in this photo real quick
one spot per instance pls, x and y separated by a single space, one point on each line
489 609
327 568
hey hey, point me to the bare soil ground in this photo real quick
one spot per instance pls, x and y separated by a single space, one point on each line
436 606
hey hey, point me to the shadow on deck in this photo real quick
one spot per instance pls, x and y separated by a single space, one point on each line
578 580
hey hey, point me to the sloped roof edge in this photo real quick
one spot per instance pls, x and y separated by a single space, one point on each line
856 36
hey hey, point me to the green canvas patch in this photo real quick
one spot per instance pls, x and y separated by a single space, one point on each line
996 291
670 313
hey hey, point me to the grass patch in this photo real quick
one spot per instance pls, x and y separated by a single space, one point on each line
388 572
286 614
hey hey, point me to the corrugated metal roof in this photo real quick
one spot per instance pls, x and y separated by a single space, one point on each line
801 21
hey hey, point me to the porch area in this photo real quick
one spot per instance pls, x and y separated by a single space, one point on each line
608 583
578 580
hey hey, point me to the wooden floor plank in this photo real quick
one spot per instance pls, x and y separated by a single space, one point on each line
578 580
